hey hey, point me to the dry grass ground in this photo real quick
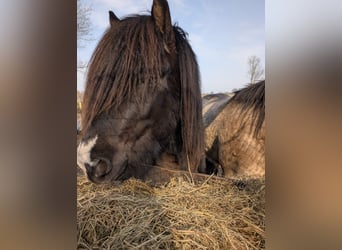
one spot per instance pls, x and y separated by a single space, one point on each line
180 215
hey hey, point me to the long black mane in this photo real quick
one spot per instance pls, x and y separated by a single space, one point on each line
252 97
111 80
127 64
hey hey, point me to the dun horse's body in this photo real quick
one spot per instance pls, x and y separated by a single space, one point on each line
235 138
142 101
212 106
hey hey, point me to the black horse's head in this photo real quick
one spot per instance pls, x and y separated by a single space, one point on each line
142 99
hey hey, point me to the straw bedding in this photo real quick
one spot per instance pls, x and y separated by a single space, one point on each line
179 215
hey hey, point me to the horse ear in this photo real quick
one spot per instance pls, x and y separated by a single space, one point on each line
113 19
162 19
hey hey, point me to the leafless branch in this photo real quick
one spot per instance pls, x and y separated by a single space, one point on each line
255 70
83 23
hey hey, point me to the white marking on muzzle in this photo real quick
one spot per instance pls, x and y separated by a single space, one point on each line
83 153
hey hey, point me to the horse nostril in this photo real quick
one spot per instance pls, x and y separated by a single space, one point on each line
101 169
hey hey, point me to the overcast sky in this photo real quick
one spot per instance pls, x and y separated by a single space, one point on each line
222 33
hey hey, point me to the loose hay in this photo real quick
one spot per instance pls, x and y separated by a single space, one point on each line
180 215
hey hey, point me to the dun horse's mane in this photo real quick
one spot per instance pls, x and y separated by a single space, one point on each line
117 74
252 97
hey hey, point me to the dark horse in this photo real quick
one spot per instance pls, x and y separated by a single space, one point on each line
142 101
235 132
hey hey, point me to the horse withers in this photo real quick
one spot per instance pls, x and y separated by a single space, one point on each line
142 101
235 133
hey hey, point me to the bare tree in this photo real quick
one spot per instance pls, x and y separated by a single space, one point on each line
83 29
255 69
83 23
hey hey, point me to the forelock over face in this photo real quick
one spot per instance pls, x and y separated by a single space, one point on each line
83 153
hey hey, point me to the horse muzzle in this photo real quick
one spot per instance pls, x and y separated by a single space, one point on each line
104 172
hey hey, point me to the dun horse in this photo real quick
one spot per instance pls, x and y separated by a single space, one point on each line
142 101
235 133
